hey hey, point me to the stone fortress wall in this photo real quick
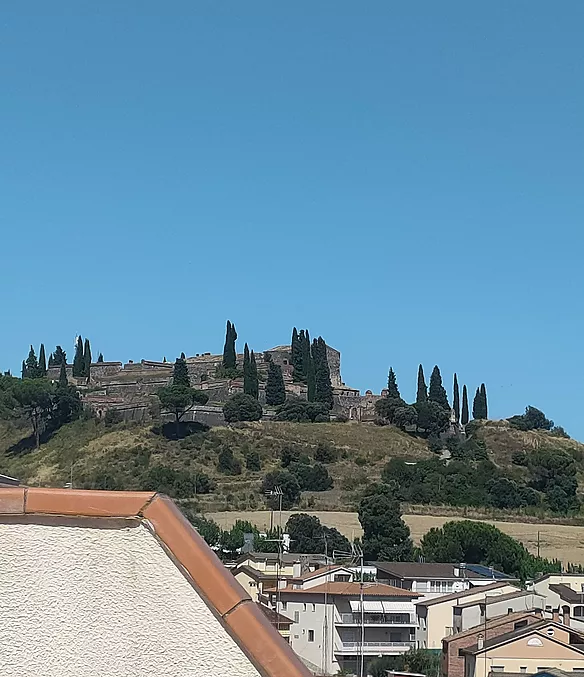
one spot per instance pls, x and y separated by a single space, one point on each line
130 388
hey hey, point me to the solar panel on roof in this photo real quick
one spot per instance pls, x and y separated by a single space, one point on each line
482 570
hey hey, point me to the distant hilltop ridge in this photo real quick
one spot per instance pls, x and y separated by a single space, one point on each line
130 387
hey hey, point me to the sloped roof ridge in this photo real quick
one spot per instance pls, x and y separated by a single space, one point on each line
233 607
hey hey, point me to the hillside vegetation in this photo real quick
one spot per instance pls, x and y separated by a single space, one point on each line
226 468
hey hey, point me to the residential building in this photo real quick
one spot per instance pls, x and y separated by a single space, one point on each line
539 647
257 572
279 621
476 612
564 591
453 661
119 583
436 579
336 622
435 616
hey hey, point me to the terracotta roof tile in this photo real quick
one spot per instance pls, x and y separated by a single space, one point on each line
369 590
246 623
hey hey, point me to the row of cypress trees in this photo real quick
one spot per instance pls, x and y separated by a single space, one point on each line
34 367
310 364
437 393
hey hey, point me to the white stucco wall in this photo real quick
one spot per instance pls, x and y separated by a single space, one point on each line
86 602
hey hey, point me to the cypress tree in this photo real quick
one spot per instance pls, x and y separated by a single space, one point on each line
485 410
437 392
324 388
180 374
23 370
100 357
296 356
229 354
78 362
422 392
275 389
183 356
464 415
255 383
42 361
32 365
87 359
311 362
476 405
456 399
247 375
392 389
63 382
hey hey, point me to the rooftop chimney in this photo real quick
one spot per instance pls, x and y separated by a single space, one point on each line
566 616
556 615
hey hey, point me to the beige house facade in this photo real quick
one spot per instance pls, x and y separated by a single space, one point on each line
537 648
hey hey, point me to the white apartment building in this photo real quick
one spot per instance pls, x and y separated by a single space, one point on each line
562 591
336 623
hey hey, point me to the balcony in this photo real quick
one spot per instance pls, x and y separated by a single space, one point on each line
374 647
376 619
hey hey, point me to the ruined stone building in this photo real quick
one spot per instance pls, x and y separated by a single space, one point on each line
130 388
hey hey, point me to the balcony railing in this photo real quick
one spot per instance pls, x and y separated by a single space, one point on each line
376 619
374 647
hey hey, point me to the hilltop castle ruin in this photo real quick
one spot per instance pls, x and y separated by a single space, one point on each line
130 388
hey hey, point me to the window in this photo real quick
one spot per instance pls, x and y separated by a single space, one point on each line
311 635
304 606
498 668
284 606
314 607
342 578
519 624
579 611
296 616
523 668
252 584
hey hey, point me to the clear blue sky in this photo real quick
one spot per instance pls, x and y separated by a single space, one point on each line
406 179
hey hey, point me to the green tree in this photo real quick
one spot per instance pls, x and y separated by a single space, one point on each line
456 399
247 375
385 535
392 389
275 389
35 400
479 405
432 418
308 535
464 416
324 388
533 419
385 407
229 352
63 381
295 409
242 407
310 370
312 477
87 359
23 369
42 361
296 355
482 543
58 357
180 373
422 392
100 358
405 417
32 366
179 399
207 528
437 392
255 384
483 392
227 463
287 482
253 461
78 362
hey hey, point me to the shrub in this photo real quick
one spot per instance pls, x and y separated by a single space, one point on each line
227 463
301 411
177 483
312 477
242 407
435 444
253 461
519 458
112 417
325 453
